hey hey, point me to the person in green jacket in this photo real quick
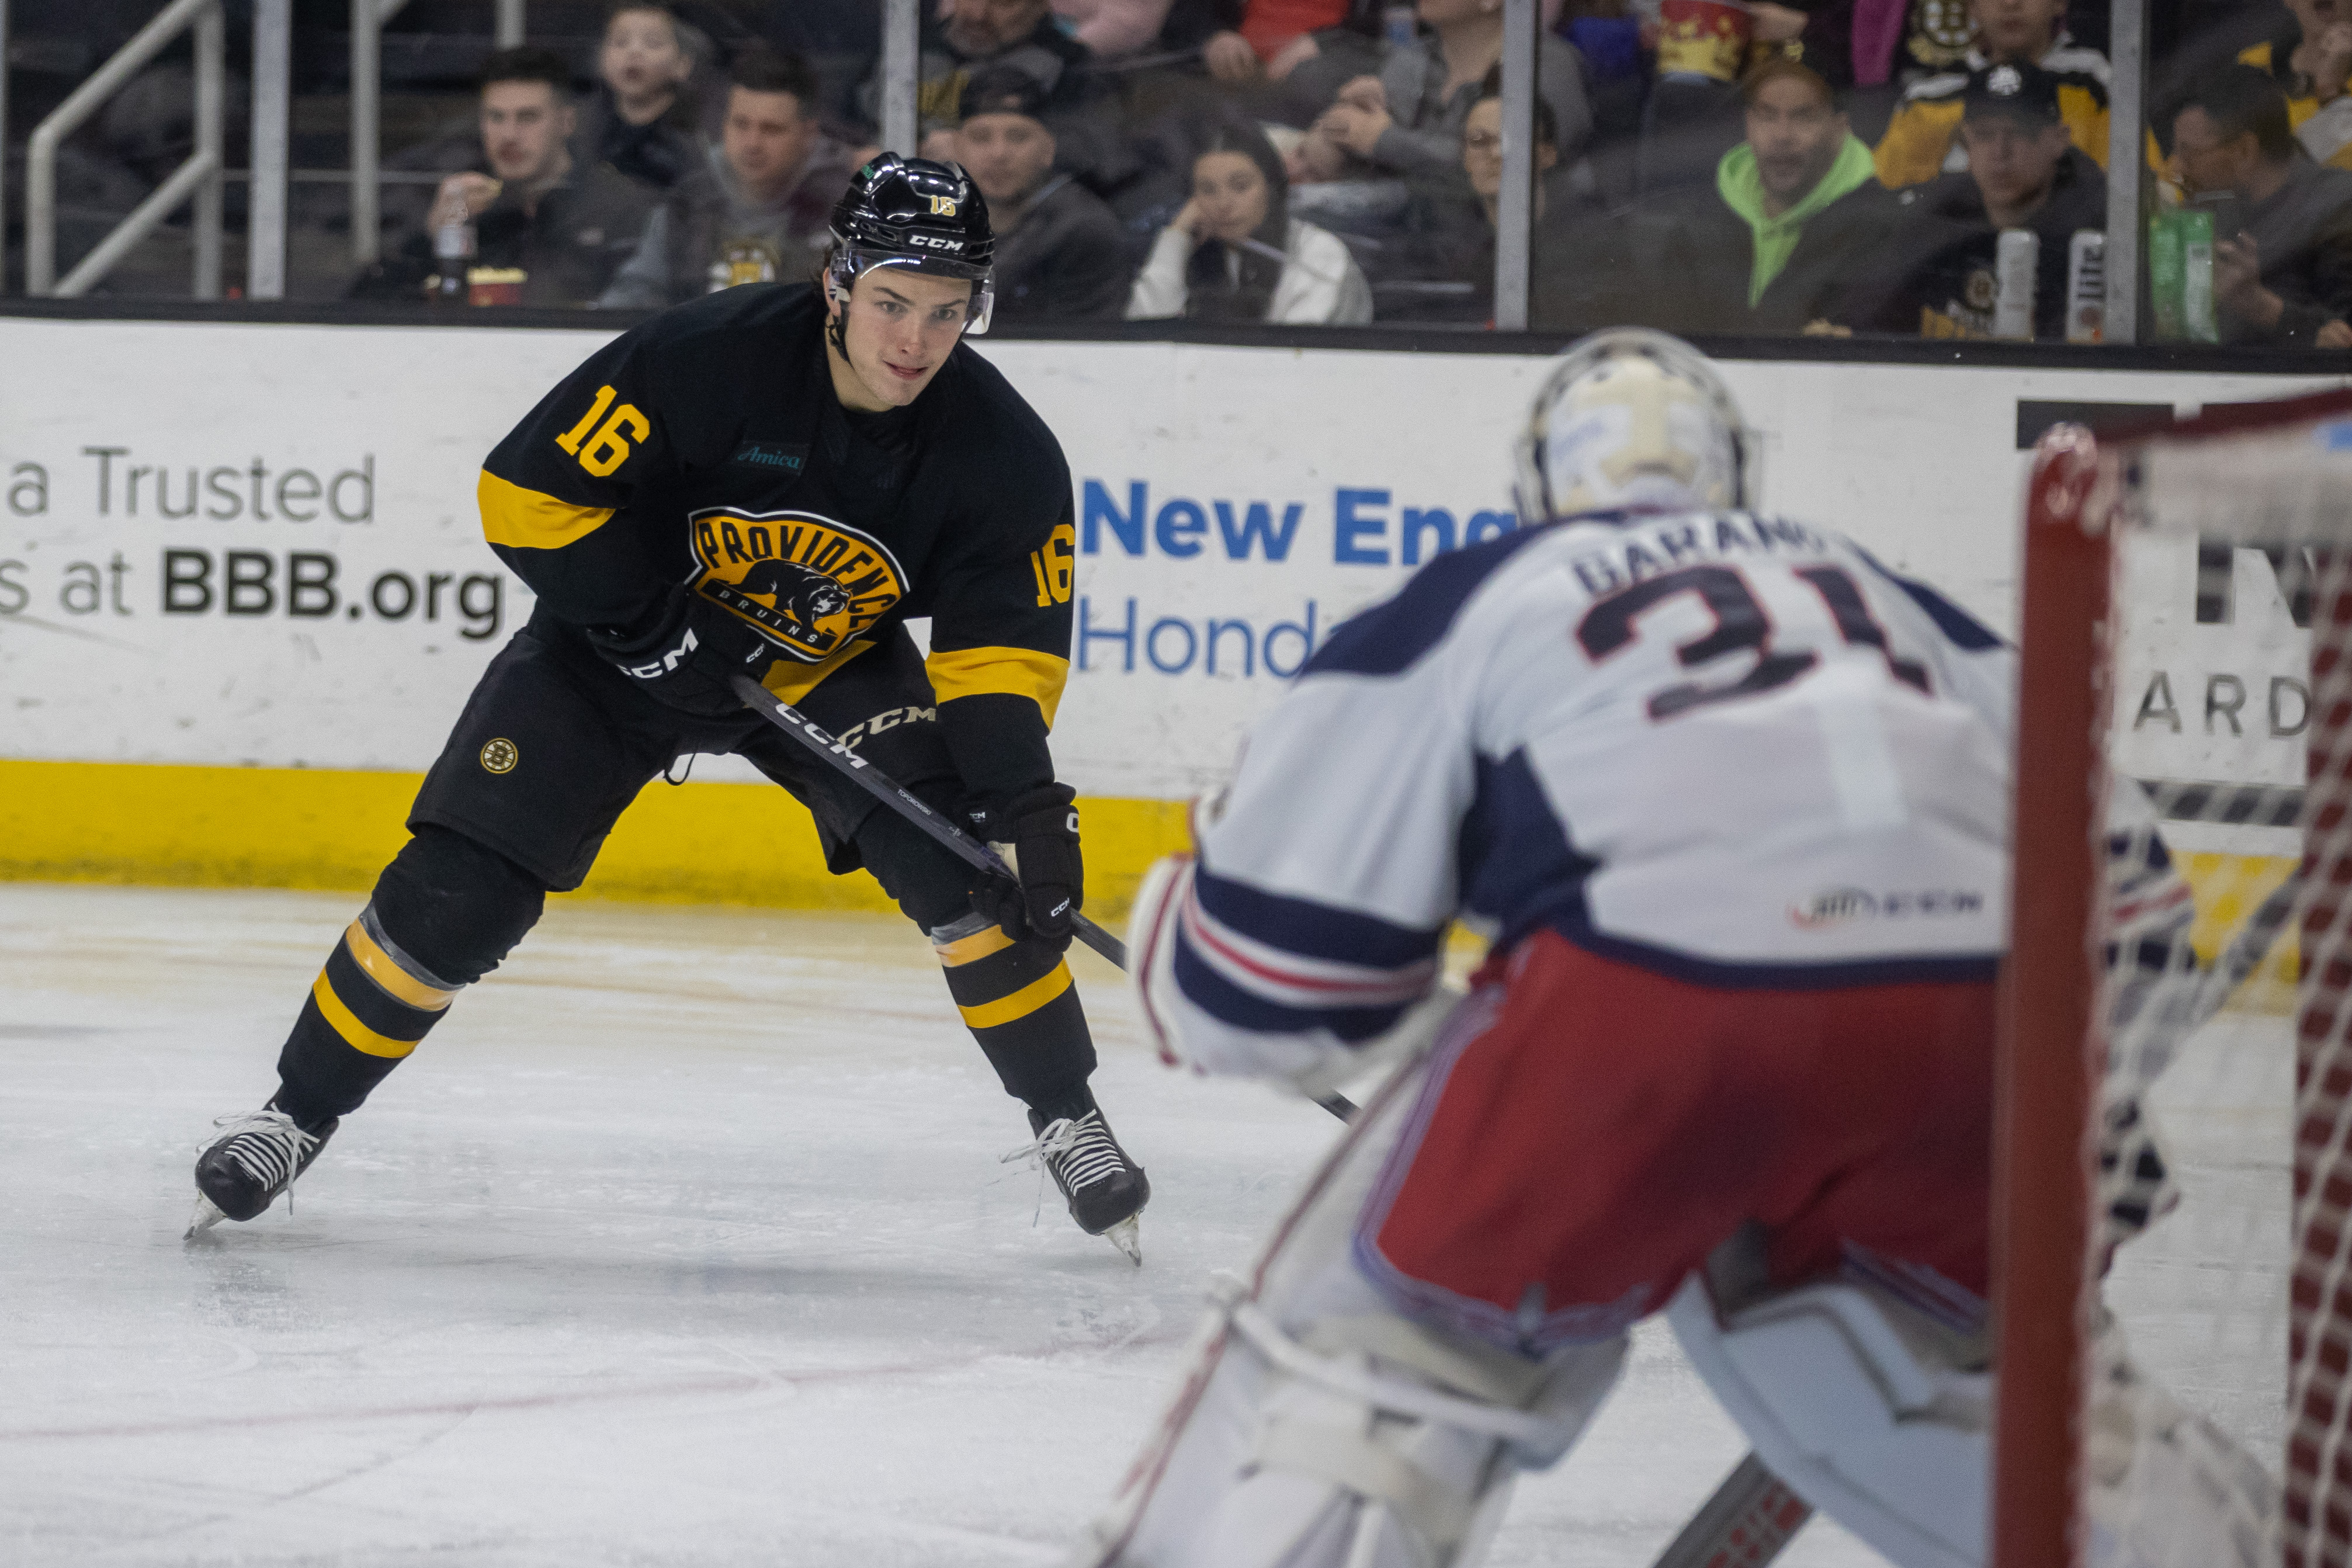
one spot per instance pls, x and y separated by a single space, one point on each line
1793 209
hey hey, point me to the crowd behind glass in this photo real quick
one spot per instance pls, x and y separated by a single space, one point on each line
1916 167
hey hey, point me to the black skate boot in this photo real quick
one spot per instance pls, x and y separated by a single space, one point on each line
1106 1190
257 1156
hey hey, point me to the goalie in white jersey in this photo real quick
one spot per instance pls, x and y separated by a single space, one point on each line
1731 800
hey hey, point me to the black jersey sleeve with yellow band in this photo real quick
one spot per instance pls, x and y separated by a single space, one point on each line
551 490
1000 645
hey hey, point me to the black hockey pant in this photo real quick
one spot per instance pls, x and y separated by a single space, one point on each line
552 746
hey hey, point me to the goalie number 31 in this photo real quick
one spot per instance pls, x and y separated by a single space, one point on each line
1741 625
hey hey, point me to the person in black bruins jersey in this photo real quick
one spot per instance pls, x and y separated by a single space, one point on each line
767 480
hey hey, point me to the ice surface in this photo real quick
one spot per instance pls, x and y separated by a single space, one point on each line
683 1240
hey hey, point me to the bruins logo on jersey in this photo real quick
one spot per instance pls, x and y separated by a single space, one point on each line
809 584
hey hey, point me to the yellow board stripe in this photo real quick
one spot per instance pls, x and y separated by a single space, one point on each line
1010 671
1022 1003
526 520
792 682
356 1035
396 982
973 948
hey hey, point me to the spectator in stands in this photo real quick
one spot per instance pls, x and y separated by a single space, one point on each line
1271 38
1018 35
1060 254
2287 278
554 230
1406 121
758 210
1460 250
2310 59
1935 276
1235 254
1919 143
1767 247
640 119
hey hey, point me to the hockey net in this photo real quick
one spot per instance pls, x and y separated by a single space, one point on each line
2187 639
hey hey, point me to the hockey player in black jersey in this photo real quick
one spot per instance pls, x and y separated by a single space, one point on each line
769 480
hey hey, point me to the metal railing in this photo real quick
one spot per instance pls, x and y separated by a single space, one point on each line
199 177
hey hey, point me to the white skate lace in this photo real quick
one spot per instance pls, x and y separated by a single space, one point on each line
1078 1152
267 1143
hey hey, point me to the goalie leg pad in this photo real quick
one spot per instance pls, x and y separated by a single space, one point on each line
1858 1407
1844 1407
1317 1427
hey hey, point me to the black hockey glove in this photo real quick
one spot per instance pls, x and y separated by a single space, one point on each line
1037 834
685 655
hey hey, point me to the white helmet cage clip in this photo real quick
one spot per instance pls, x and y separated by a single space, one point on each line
849 262
1699 432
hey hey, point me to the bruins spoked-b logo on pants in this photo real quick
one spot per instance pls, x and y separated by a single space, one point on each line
809 584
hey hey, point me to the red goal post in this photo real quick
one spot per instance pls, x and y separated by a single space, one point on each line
2276 477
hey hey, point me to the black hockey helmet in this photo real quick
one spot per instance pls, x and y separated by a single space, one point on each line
919 213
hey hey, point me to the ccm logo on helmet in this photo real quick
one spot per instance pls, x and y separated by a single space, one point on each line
933 242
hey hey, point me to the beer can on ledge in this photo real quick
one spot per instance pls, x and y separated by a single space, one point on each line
2015 255
2086 287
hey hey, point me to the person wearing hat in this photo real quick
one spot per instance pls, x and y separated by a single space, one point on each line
1767 244
2282 241
1936 274
1921 139
763 485
755 212
1061 254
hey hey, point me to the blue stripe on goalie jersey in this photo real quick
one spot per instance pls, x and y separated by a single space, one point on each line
1388 639
1514 863
1229 1004
1520 869
1308 928
1968 632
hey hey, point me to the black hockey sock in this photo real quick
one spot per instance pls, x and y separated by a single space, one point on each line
367 1010
1022 1007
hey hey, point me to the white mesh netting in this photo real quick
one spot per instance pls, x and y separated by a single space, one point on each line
2230 707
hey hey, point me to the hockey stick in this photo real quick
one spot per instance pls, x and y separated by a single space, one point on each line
942 832
1753 1515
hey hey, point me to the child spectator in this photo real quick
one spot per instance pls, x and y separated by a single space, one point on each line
553 230
759 209
1235 254
2286 276
1935 276
640 119
1919 143
1060 253
1793 210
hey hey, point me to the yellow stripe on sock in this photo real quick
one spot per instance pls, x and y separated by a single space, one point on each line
1020 1004
386 972
972 949
356 1035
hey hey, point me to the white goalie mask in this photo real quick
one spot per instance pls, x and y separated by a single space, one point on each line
1633 420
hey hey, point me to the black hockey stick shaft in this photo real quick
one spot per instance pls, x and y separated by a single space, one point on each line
1753 1515
946 834
884 788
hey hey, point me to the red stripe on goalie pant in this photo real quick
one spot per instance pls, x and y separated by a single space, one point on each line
1612 1126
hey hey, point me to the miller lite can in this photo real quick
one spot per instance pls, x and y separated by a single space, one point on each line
2015 256
2086 287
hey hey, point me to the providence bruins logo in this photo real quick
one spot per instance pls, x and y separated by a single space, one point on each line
809 584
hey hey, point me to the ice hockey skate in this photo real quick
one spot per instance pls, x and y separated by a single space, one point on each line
1106 1190
257 1155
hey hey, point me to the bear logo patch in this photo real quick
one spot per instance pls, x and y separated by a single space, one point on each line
807 582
